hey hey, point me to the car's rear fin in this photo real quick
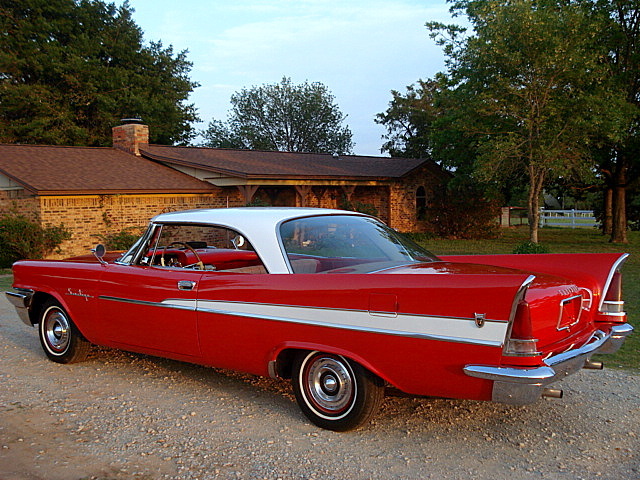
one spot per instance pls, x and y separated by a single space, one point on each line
611 303
520 341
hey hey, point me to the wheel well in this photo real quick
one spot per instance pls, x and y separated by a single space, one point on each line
38 300
284 361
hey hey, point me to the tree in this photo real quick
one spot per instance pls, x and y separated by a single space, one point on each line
532 76
620 159
71 69
410 120
283 117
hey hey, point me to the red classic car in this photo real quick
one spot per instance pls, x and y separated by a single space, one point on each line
334 300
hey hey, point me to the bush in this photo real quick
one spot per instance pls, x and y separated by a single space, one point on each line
462 210
121 240
20 238
361 207
257 202
530 247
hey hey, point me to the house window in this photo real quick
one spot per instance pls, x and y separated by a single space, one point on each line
421 203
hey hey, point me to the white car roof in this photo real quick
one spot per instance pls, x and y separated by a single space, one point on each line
257 224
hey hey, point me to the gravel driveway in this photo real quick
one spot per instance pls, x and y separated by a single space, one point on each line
127 416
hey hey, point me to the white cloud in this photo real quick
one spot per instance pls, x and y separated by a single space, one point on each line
359 49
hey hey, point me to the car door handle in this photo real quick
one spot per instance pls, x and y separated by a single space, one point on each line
186 285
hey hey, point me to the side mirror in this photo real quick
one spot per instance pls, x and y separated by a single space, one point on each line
99 252
237 241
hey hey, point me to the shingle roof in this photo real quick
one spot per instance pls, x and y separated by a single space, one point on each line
51 170
261 164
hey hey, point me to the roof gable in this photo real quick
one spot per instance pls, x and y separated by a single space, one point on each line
52 170
268 164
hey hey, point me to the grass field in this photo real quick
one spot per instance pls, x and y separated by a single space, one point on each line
563 240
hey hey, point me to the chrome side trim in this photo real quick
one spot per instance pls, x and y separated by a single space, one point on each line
330 309
369 327
618 263
406 325
21 298
163 304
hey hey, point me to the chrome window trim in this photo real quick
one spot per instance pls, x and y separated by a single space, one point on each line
136 248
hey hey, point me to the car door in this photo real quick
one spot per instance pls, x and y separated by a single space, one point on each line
150 309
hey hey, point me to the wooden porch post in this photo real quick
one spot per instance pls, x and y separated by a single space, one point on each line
348 191
303 191
248 191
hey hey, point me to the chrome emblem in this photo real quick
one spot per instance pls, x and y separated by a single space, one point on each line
480 318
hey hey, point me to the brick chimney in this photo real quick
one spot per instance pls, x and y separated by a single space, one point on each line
130 135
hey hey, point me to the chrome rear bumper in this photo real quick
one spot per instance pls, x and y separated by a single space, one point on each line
21 299
521 386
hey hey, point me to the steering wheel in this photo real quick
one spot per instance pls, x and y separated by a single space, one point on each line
199 263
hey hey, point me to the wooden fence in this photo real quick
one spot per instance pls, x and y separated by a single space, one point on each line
567 218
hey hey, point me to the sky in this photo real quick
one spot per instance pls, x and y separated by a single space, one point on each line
359 49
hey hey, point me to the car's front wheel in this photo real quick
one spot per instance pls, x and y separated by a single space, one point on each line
335 393
59 336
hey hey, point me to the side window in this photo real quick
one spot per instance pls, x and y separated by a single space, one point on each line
202 247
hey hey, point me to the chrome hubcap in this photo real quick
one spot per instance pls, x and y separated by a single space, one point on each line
330 384
56 331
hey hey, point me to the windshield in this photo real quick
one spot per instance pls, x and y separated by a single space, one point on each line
346 244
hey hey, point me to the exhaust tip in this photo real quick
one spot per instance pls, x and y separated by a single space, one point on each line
552 393
593 365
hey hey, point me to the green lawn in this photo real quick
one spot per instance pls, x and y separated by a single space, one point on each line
563 240
5 283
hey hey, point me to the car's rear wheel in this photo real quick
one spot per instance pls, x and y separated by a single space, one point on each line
59 336
335 393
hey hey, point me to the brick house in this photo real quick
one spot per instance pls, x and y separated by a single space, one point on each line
97 191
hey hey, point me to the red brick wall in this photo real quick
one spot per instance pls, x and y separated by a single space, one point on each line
88 216
403 214
19 202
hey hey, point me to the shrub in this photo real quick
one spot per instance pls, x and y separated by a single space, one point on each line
530 247
257 202
462 210
121 240
361 207
20 238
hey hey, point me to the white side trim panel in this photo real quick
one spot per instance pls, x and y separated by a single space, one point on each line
463 330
